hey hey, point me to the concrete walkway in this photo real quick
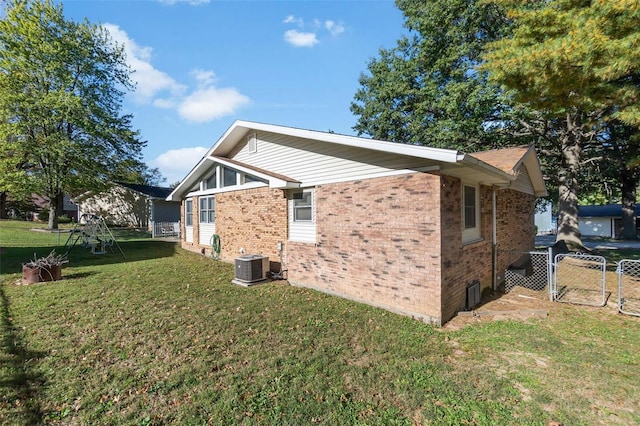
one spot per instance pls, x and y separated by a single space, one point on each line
592 243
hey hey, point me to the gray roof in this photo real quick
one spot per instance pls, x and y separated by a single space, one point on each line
159 192
608 210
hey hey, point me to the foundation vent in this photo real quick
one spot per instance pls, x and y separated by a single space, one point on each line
473 295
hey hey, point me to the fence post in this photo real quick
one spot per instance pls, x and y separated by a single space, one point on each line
550 273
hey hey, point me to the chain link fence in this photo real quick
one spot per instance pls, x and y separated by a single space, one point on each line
629 287
580 279
530 270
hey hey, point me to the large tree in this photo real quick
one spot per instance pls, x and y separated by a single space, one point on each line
578 63
426 90
61 89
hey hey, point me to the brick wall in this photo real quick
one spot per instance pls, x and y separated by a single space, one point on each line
515 228
378 242
251 219
463 263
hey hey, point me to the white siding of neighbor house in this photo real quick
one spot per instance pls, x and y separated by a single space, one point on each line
206 232
523 182
188 234
595 226
313 162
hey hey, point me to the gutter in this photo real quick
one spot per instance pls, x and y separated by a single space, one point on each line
478 164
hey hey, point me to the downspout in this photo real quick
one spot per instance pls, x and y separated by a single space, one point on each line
494 240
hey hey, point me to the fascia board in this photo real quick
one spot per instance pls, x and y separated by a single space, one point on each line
274 182
240 128
470 161
176 194
532 163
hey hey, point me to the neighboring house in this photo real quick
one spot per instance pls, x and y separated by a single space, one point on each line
603 221
126 204
546 224
403 227
41 202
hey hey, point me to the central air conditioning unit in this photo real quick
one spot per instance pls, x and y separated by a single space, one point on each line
251 268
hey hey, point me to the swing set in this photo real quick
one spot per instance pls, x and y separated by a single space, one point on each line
92 232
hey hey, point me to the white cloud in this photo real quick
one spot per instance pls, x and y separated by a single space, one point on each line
204 77
149 81
293 20
164 103
300 39
309 38
333 28
205 103
175 164
209 103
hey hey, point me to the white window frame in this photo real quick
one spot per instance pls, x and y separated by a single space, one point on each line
215 182
207 211
470 234
310 206
302 230
188 214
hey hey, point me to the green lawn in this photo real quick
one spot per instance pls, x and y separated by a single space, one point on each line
163 337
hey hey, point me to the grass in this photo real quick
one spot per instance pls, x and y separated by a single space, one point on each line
162 337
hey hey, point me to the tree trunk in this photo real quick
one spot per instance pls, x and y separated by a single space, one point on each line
55 207
568 228
628 205
3 205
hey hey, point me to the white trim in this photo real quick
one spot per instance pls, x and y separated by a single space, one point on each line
371 176
251 185
201 210
240 127
302 231
188 229
470 235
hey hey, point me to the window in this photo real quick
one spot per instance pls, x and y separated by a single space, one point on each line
229 177
303 206
188 212
207 210
210 183
251 178
469 207
470 213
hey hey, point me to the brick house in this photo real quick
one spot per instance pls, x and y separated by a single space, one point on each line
406 228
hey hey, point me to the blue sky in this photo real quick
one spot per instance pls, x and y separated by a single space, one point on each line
200 65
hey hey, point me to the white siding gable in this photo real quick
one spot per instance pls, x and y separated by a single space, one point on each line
523 181
315 162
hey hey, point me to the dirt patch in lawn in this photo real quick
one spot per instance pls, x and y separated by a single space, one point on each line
522 304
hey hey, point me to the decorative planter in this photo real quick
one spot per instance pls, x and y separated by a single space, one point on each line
38 274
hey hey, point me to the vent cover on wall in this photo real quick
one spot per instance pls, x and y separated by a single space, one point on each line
252 143
473 295
251 268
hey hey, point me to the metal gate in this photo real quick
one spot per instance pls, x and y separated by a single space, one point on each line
629 287
579 279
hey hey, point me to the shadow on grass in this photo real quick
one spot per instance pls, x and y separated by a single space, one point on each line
77 275
13 257
20 382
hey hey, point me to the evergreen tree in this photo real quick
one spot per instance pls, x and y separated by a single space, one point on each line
578 64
